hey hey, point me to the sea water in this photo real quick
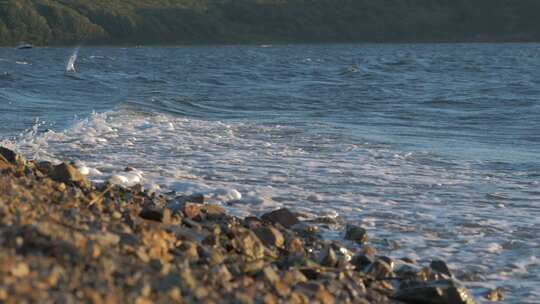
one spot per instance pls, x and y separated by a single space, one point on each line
434 148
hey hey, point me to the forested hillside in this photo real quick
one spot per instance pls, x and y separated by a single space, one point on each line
48 22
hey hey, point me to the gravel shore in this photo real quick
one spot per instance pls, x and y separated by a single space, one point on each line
66 240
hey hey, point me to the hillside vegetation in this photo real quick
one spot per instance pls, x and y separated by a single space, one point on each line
47 22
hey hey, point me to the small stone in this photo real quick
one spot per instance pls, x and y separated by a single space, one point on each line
270 274
282 216
255 266
175 294
221 274
324 297
116 215
270 236
295 245
294 276
441 267
356 233
190 250
152 215
192 210
246 242
282 289
20 270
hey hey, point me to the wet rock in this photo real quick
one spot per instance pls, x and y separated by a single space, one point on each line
436 292
407 260
282 216
361 260
10 156
328 257
494 295
305 229
252 222
388 261
356 233
379 270
270 236
68 174
194 198
151 214
440 267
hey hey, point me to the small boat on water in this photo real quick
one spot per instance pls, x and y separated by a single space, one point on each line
24 46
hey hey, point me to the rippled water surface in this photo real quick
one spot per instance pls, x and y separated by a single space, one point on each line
434 148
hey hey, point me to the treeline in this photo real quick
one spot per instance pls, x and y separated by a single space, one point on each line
48 22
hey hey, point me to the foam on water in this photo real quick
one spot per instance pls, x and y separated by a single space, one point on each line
414 204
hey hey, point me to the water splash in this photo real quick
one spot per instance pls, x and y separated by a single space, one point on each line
70 67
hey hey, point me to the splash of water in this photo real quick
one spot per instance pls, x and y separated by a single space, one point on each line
70 67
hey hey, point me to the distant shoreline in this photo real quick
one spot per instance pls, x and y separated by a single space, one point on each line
181 22
281 43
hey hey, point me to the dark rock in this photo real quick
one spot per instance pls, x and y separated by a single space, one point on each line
379 270
194 198
356 233
305 229
407 260
270 236
10 156
388 261
361 261
310 273
68 174
441 267
436 292
282 216
151 214
252 222
328 257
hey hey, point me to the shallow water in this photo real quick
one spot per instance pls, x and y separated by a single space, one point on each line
434 148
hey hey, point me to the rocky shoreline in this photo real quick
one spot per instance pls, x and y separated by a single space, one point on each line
66 240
